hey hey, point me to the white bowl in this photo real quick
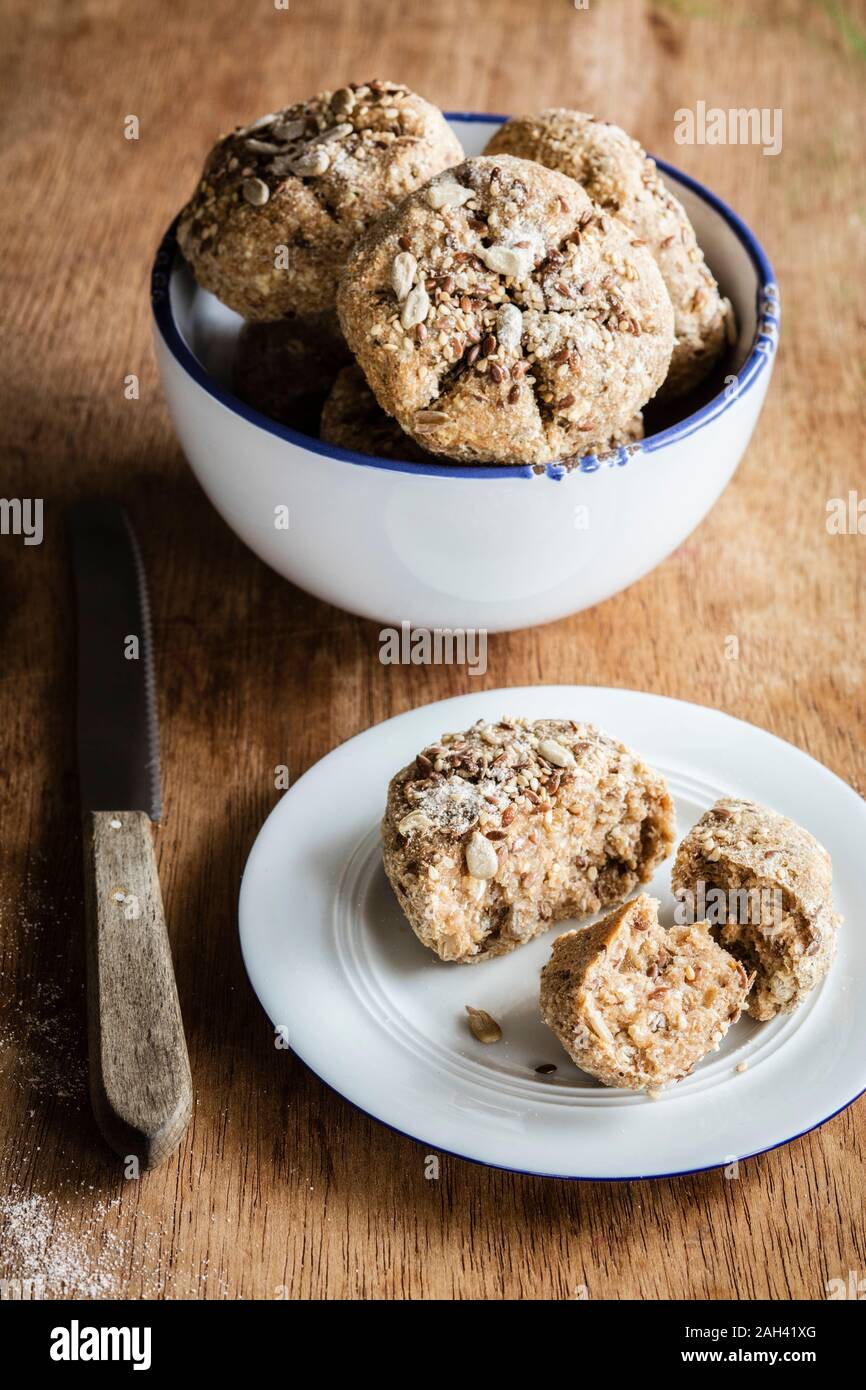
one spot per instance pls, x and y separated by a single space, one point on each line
466 546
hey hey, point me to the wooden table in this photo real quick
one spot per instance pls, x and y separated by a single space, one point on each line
281 1189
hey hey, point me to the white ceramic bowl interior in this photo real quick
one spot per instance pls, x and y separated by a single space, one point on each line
462 546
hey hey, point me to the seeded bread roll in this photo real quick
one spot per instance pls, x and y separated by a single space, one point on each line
500 317
354 419
777 882
491 835
637 1006
285 368
309 179
619 175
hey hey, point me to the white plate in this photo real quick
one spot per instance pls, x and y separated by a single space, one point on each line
382 1021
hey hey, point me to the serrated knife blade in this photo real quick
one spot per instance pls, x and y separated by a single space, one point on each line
118 730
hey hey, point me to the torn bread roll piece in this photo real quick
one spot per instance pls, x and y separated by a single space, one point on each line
637 1006
493 834
769 884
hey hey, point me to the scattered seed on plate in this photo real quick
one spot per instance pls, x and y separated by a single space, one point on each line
483 1026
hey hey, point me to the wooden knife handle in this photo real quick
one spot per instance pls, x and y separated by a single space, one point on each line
140 1084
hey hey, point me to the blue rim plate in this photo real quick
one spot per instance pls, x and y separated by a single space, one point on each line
379 1020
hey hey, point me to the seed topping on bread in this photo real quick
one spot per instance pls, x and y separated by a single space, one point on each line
493 833
512 322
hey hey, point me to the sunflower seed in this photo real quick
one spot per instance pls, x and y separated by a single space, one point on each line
507 260
415 821
509 327
483 1025
403 270
554 753
431 417
262 147
258 124
343 101
447 193
596 1022
311 163
481 858
289 130
546 1068
415 307
256 191
335 132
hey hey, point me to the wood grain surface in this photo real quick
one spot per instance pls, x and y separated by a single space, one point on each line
280 1189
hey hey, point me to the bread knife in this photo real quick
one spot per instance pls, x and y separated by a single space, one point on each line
140 1084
